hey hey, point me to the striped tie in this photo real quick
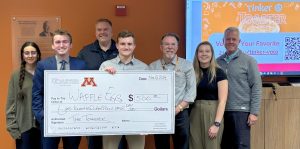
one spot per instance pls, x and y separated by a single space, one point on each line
63 65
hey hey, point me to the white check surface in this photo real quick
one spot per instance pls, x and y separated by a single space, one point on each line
85 103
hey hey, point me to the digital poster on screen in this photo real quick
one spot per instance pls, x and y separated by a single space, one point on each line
269 29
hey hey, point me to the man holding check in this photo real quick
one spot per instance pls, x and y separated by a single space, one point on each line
61 44
124 61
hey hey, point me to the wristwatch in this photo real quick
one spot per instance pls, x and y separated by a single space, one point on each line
217 124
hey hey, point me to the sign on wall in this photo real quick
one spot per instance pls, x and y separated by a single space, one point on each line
36 29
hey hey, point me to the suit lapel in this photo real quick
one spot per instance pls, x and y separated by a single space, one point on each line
72 65
52 63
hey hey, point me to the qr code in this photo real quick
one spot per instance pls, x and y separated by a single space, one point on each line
292 48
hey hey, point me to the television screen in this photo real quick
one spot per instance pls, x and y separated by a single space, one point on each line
270 30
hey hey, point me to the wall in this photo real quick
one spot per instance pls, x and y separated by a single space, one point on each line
147 19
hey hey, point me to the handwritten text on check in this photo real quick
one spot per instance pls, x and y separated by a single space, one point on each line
84 103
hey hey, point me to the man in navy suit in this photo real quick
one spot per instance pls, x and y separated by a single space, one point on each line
61 44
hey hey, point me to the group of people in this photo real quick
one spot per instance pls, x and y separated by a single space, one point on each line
206 91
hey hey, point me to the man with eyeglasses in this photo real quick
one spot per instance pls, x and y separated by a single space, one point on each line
61 44
185 88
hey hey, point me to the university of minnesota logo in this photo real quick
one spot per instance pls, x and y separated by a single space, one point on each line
88 81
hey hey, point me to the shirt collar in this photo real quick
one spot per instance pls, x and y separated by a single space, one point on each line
132 62
228 58
174 61
58 60
96 43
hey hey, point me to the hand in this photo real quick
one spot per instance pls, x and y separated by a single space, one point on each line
251 119
16 134
110 70
177 110
213 132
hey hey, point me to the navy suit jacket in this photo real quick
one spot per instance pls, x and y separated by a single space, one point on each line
38 82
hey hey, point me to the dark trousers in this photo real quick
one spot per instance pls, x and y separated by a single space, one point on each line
236 134
52 142
30 139
68 142
123 143
181 136
95 142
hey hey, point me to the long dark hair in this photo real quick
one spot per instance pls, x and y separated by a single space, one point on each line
23 63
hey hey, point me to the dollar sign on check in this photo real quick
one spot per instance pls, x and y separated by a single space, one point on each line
130 96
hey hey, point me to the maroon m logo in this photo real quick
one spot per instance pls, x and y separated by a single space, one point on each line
88 81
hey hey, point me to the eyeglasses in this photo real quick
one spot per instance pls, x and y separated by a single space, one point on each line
32 53
169 44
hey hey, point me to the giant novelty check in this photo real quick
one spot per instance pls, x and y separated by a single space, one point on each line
85 103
